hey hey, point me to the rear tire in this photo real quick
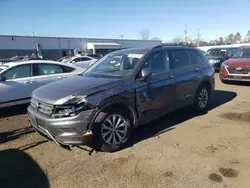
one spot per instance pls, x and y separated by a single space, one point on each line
112 130
202 98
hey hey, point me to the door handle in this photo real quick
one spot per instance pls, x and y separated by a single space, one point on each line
196 69
28 82
170 77
196 78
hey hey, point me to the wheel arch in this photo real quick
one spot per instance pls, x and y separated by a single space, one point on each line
119 104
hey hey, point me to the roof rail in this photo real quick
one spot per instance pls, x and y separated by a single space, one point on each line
162 45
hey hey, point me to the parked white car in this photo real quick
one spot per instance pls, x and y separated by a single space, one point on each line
19 79
80 61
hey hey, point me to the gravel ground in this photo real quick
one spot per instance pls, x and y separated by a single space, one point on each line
182 149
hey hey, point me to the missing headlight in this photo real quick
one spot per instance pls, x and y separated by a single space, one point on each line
69 110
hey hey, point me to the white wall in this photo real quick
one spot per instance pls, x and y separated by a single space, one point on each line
55 43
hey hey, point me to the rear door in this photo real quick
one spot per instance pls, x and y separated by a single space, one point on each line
156 95
49 72
18 86
186 74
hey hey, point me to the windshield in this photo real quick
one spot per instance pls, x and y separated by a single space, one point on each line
115 65
216 52
242 53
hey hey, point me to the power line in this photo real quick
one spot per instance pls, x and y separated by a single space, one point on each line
185 32
198 37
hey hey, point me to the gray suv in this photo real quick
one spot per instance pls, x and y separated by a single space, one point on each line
124 89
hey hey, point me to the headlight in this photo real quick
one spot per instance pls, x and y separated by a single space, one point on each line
69 111
214 61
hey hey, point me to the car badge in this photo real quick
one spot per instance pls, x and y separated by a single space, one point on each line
238 68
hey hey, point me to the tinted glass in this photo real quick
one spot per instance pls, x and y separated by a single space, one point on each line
45 69
85 59
21 71
158 62
242 53
77 59
179 59
67 69
195 56
230 52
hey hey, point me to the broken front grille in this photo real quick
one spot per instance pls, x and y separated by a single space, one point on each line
238 70
42 107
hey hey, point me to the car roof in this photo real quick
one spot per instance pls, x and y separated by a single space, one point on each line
145 50
132 50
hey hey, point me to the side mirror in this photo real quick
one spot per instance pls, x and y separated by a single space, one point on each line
72 61
145 73
2 79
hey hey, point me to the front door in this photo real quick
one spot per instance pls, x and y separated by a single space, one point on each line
156 95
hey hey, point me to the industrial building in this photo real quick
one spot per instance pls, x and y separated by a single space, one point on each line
56 47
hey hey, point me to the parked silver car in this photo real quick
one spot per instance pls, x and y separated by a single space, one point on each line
80 61
19 79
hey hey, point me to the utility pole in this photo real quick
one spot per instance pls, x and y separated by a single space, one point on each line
185 32
198 37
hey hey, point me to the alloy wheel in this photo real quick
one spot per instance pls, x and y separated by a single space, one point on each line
203 98
114 129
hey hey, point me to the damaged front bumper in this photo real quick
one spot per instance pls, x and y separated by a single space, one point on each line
68 131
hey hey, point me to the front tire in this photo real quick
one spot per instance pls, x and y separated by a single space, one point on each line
113 129
202 98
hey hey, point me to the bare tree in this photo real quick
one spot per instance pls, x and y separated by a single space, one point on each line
177 39
248 36
237 37
221 41
145 34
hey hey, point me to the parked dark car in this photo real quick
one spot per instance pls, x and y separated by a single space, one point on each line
216 56
237 68
122 90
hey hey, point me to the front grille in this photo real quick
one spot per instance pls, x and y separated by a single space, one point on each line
42 107
238 70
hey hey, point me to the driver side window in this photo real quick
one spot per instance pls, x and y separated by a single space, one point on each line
21 71
158 62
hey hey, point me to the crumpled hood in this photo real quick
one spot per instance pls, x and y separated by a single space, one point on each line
54 92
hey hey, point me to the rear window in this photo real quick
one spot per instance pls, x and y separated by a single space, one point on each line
67 69
195 57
